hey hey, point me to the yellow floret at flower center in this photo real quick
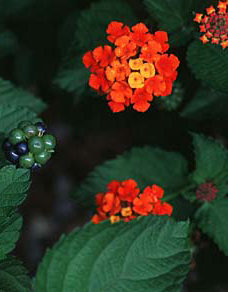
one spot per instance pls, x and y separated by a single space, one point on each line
136 80
147 70
135 64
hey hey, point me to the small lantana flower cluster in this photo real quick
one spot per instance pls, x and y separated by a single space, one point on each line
206 192
214 25
136 70
124 201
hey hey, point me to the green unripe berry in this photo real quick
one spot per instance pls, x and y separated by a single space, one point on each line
49 142
30 130
24 124
16 136
36 145
26 161
42 157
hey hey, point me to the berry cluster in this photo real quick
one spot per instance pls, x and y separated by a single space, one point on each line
28 145
134 71
123 200
214 25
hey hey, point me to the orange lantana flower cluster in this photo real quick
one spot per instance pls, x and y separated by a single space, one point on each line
124 201
214 25
135 70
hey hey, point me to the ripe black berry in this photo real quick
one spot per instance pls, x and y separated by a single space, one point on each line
21 148
12 156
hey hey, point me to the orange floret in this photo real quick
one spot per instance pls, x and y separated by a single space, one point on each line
198 17
167 65
210 10
140 34
149 52
140 100
117 71
116 29
161 37
125 48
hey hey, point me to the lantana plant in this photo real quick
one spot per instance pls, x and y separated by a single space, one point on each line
156 200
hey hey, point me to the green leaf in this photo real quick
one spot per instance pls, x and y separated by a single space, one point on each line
14 183
206 104
18 97
118 257
9 233
8 43
209 63
145 165
93 22
212 218
211 159
73 79
11 116
13 276
171 14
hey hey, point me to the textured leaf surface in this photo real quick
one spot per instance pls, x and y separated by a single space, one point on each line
211 159
10 94
11 116
212 218
9 233
207 104
92 23
14 184
171 14
145 165
118 257
73 79
209 63
13 276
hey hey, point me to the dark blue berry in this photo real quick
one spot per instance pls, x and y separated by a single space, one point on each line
12 156
35 166
22 148
6 145
40 128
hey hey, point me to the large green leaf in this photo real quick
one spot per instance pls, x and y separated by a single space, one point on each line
74 78
92 23
145 165
209 63
212 218
211 160
149 254
13 276
14 184
9 233
207 104
14 96
11 116
171 14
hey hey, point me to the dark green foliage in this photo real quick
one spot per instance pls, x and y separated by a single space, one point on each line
92 23
209 63
212 218
153 254
146 166
14 183
206 104
13 276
